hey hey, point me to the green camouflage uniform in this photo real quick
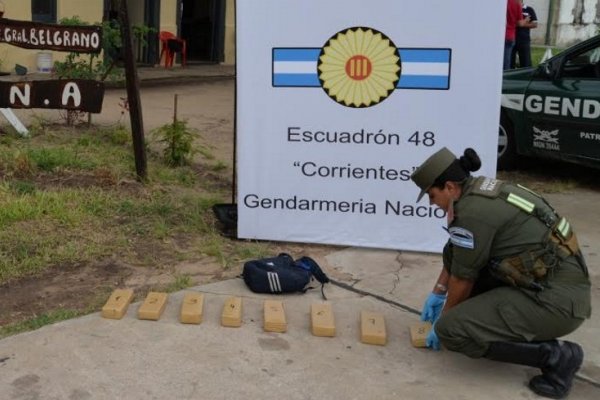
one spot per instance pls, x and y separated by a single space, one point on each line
488 227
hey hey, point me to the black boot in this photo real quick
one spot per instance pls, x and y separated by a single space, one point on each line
557 376
559 361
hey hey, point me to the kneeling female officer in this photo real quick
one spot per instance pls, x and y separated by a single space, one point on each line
513 278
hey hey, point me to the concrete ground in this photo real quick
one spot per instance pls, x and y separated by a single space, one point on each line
96 358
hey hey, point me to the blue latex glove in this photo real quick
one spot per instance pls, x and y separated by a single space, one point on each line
432 340
433 307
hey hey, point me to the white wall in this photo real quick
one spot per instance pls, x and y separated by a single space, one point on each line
573 21
577 20
541 7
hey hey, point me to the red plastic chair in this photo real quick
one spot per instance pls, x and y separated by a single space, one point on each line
165 37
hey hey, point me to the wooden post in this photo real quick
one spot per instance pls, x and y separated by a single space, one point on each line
175 110
133 95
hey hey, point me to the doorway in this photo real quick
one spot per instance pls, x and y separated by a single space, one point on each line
203 27
149 53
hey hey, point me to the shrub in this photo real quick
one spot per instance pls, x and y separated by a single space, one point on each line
178 139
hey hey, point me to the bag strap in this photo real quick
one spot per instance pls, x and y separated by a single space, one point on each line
323 291
311 265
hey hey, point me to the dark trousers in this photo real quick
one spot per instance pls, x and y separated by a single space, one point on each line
522 49
504 314
508 46
499 313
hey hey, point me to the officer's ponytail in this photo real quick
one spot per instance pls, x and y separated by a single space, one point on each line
460 169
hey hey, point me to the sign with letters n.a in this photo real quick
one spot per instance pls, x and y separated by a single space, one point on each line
68 94
339 101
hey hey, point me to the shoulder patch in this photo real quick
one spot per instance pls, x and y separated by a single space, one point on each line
461 237
487 187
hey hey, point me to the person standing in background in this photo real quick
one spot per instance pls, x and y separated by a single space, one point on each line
522 47
513 20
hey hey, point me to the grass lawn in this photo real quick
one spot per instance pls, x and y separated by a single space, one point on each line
538 52
69 198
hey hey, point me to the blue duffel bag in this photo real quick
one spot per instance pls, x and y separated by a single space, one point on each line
282 274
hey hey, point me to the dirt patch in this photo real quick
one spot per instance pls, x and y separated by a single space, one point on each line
549 176
86 287
69 287
100 178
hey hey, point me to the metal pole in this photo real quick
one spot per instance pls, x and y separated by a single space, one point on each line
235 106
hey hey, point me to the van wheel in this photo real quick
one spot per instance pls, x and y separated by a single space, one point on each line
507 148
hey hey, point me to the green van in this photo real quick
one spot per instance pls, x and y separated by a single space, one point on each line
553 110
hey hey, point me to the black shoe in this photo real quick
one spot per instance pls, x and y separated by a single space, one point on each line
559 361
557 376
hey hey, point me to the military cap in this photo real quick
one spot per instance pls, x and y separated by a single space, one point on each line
431 169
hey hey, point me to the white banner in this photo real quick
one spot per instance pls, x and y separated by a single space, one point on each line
339 101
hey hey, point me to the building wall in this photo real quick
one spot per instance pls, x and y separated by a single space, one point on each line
229 50
542 10
577 20
168 16
87 10
570 21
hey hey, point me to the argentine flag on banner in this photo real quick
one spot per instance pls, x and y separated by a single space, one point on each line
421 68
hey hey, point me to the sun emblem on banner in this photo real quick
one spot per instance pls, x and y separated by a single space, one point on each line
359 67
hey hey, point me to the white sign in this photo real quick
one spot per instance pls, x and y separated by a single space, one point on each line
339 101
